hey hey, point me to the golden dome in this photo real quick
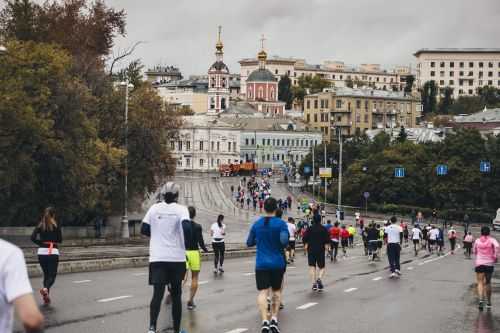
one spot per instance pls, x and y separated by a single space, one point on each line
262 55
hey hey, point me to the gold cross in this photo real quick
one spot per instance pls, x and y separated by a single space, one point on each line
220 30
262 39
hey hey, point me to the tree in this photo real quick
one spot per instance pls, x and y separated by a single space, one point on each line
132 73
466 105
410 79
349 83
309 85
285 93
489 96
402 136
428 95
446 101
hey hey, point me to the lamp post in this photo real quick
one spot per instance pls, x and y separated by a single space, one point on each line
124 226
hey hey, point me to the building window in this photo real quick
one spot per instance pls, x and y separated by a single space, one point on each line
218 145
212 145
441 64
470 92
188 145
490 82
223 103
201 162
268 142
451 82
322 117
212 103
460 91
461 64
308 116
490 65
452 73
282 142
172 145
276 71
490 74
201 145
441 73
471 82
433 73
433 64
246 142
218 162
188 161
366 105
339 102
315 103
272 94
253 142
366 118
471 64
358 104
471 73
274 142
261 93
302 143
481 65
315 117
441 82
180 145
308 104
461 73
322 103
249 93
229 146
278 142
452 64
212 162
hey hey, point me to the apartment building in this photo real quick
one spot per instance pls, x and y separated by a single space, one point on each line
335 71
462 69
355 111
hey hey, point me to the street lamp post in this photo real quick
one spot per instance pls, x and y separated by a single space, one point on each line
124 226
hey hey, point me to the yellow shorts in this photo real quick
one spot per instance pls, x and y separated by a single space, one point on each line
193 261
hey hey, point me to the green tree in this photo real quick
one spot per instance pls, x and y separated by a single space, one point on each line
410 79
466 105
429 97
349 83
402 136
446 101
489 96
132 73
309 85
285 93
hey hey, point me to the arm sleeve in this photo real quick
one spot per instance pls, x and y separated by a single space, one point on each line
16 279
284 235
146 223
187 230
34 237
251 237
201 241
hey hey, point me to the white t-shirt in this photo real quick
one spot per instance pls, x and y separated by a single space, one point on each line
167 237
393 233
14 282
416 233
434 234
218 233
291 231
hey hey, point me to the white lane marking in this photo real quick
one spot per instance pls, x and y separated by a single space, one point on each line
82 281
249 274
350 290
238 330
203 282
421 263
105 300
140 274
291 267
377 278
410 268
306 306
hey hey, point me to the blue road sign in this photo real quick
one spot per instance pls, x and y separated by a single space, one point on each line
485 166
399 172
442 170
307 170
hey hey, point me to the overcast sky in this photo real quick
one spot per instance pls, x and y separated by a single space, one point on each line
183 32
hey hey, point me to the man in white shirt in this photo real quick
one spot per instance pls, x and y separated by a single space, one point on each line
394 235
16 292
290 250
416 236
433 236
167 252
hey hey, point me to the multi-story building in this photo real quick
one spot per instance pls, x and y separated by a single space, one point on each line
205 142
486 121
335 71
463 70
275 142
357 110
190 93
163 74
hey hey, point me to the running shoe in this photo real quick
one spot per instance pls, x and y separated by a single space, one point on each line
315 287
481 305
398 272
265 327
274 326
393 275
488 305
320 285
282 306
152 329
216 271
191 305
45 296
221 270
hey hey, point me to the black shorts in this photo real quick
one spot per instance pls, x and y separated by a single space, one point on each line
379 244
467 245
432 242
344 242
487 270
334 244
269 278
291 245
316 259
416 241
163 273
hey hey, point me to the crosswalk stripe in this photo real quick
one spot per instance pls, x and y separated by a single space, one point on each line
306 306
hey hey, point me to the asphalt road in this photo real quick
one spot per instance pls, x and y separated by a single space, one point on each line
435 294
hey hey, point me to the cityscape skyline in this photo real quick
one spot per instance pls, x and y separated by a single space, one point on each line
389 33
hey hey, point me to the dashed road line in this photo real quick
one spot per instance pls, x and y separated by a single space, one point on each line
249 274
350 290
139 274
410 268
105 300
306 306
82 281
238 330
203 282
377 278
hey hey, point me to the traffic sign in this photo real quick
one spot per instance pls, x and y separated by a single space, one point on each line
399 172
442 170
307 169
366 195
325 172
485 166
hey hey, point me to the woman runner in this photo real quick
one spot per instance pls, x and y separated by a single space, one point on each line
47 235
486 249
218 232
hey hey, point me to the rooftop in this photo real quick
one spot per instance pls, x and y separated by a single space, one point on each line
270 124
205 121
416 135
457 50
485 116
365 92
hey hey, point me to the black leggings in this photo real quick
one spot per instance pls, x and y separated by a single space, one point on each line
175 290
49 264
219 249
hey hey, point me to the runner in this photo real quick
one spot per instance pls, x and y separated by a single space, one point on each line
344 240
433 238
416 236
468 240
292 230
486 249
352 233
334 241
163 223
218 232
425 237
405 233
270 235
372 237
16 293
452 237
47 235
193 257
394 242
315 240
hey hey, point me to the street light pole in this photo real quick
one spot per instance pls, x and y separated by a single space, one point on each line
124 226
339 204
314 173
324 145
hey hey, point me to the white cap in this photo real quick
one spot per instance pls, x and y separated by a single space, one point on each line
170 187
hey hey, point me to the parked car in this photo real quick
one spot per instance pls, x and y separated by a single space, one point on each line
496 221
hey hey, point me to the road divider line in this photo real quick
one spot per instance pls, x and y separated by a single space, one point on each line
306 306
140 274
291 267
421 263
82 281
410 268
238 330
350 290
377 278
203 282
249 274
105 300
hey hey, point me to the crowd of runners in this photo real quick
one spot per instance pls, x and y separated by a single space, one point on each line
176 241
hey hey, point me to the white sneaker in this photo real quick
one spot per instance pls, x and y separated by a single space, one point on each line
393 275
398 272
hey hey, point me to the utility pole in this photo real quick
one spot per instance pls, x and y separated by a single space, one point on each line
314 173
339 204
324 145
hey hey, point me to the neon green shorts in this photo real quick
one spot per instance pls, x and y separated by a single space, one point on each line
193 261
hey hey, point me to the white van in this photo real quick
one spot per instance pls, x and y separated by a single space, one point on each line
496 221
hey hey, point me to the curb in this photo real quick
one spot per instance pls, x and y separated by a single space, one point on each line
79 266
